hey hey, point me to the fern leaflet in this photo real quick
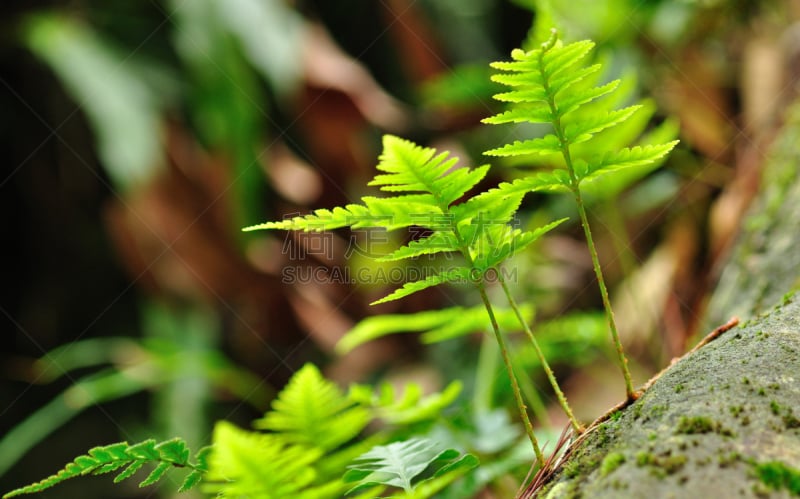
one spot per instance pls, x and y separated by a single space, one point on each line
398 464
110 458
411 407
435 325
461 274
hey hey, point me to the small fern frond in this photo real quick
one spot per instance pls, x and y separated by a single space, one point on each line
313 411
398 464
413 168
257 465
109 458
412 407
435 325
537 113
462 275
354 215
583 130
549 86
437 242
549 144
628 157
573 100
497 244
430 178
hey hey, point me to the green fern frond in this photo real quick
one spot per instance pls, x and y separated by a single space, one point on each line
257 465
461 275
628 157
549 144
311 440
354 215
584 129
435 325
410 167
110 458
436 242
500 243
313 411
398 464
549 86
431 187
412 407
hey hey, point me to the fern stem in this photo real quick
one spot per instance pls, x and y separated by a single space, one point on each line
598 271
523 412
501 342
562 400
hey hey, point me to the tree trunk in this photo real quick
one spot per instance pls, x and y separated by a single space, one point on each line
724 421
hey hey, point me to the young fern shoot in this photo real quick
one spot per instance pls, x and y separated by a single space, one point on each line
549 85
429 188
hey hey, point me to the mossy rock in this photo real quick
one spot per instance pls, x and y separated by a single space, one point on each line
722 422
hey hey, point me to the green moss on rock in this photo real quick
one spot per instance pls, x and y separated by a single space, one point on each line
703 445
611 462
778 476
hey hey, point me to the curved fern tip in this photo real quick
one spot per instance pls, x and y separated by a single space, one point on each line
517 54
547 45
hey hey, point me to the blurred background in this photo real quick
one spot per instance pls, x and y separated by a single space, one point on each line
138 138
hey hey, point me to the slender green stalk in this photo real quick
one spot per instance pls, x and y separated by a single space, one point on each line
523 412
501 342
558 129
551 377
598 271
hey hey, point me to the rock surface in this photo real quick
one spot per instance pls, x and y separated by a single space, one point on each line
723 422
708 427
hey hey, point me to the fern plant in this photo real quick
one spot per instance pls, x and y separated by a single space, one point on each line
476 228
550 85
